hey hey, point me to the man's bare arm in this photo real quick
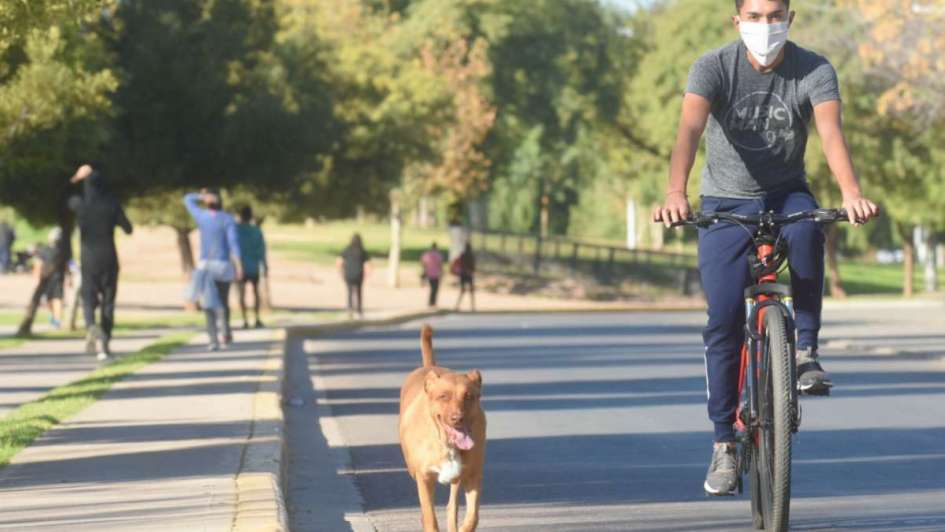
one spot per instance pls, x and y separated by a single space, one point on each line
827 117
692 121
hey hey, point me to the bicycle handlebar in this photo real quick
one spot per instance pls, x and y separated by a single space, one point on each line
705 219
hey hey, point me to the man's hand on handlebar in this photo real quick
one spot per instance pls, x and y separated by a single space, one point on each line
859 209
675 209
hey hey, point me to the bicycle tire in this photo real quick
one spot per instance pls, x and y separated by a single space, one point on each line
754 488
773 445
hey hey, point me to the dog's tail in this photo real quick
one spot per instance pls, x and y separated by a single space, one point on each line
426 345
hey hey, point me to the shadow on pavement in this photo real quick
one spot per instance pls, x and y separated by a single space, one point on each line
664 467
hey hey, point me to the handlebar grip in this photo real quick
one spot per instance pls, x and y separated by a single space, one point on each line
696 218
830 215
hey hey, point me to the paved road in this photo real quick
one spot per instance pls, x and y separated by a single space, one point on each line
597 422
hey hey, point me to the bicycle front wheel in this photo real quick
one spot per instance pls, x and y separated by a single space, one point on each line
773 436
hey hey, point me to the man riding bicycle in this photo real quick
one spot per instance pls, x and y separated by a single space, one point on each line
755 98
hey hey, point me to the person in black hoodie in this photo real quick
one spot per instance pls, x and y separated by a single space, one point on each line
97 214
354 265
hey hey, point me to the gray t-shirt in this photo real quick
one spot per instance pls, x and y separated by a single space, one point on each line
757 131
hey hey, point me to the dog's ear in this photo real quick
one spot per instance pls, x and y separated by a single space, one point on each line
475 376
430 380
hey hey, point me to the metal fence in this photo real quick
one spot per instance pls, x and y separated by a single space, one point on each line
606 263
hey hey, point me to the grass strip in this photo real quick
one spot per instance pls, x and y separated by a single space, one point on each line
22 426
11 342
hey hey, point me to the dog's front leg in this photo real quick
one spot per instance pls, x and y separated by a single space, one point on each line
473 486
452 509
426 486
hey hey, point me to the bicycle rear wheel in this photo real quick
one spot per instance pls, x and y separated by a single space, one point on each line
771 453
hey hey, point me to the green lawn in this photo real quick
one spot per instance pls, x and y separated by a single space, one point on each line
123 323
865 278
323 242
28 422
861 278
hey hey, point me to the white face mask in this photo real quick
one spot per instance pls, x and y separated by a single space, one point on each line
764 41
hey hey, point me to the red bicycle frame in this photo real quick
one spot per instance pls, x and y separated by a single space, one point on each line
764 251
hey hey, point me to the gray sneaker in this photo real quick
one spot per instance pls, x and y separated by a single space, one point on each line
93 338
811 377
721 479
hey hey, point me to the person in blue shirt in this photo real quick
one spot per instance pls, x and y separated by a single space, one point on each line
253 252
220 261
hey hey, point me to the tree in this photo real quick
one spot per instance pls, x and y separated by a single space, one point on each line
903 123
460 168
222 112
53 104
669 37
387 103
557 79
53 108
383 101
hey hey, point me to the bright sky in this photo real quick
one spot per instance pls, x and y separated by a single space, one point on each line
629 5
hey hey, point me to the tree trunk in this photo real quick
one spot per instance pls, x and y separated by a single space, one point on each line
393 260
931 277
26 326
836 285
543 216
186 251
424 219
908 255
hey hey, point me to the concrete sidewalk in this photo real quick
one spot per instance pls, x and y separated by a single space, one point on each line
31 370
183 444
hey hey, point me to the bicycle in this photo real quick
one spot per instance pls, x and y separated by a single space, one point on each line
768 413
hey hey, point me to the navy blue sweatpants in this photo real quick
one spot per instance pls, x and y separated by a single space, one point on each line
723 264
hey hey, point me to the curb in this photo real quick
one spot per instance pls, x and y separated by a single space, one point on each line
260 503
350 325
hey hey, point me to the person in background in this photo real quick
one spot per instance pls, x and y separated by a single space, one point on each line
220 262
354 265
75 281
465 267
7 237
253 253
432 264
47 271
98 213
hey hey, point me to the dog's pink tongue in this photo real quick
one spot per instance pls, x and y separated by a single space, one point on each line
459 439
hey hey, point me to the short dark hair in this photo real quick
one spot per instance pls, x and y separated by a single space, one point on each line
740 3
246 213
218 206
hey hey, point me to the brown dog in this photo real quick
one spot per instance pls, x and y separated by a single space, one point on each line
443 436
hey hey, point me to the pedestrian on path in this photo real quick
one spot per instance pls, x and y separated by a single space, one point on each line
47 271
465 267
220 262
98 213
75 279
432 264
354 265
253 254
7 237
